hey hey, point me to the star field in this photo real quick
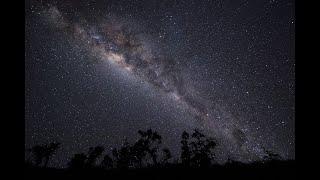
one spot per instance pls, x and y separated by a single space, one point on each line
97 72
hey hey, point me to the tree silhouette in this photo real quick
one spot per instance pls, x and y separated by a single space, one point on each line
78 161
107 162
93 154
28 156
270 155
202 149
150 141
197 151
49 151
43 153
133 156
123 156
139 152
185 150
167 156
88 160
38 153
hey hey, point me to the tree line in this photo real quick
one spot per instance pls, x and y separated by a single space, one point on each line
197 151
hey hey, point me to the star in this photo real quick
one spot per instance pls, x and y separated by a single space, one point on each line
98 73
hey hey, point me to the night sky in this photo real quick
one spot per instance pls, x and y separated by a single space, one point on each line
96 72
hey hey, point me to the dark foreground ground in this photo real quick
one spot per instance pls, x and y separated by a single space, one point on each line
270 170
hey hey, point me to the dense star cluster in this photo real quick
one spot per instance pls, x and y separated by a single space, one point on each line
98 71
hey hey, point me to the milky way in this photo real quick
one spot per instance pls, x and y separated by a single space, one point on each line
116 43
131 51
